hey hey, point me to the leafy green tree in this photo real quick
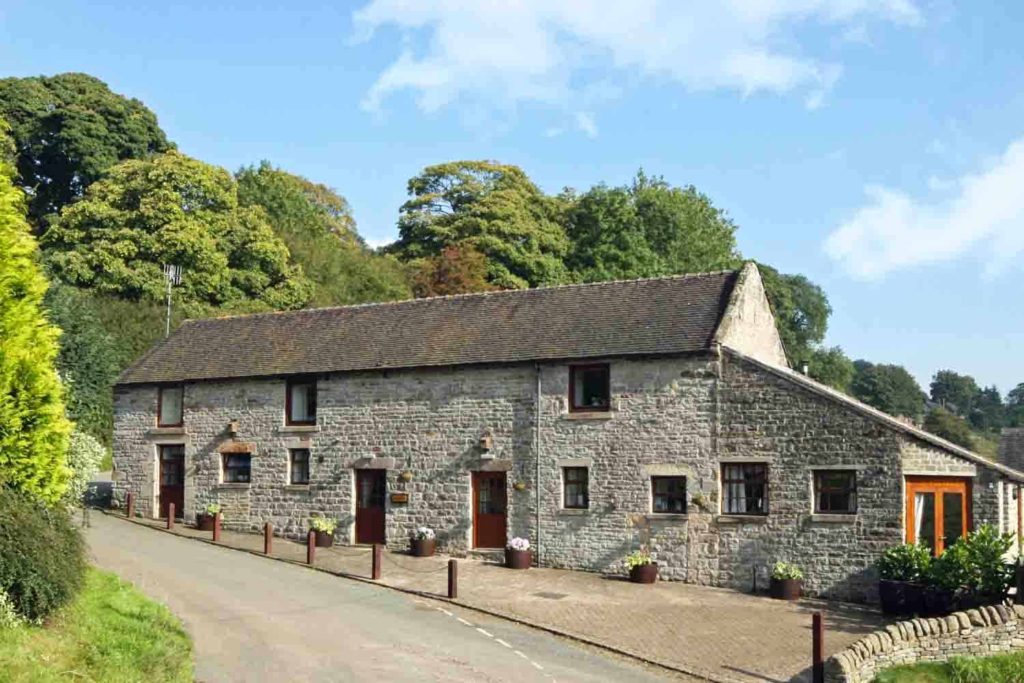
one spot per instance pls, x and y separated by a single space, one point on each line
85 453
494 208
988 412
950 427
68 130
1015 407
801 312
956 392
458 269
317 226
832 367
33 428
173 209
646 229
890 388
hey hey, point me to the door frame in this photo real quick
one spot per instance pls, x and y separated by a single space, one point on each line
360 472
475 476
158 508
937 485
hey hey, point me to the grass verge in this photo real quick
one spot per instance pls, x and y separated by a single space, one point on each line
1007 668
110 632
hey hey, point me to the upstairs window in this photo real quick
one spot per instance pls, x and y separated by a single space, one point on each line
668 495
589 387
170 406
300 402
835 492
575 488
745 489
237 468
298 466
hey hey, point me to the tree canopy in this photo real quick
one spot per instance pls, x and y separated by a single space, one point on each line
646 229
493 208
889 388
941 422
954 391
173 209
458 269
34 432
316 225
68 130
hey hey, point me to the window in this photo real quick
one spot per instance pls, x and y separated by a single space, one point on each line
237 467
575 488
589 387
745 489
169 406
300 402
298 466
835 492
668 495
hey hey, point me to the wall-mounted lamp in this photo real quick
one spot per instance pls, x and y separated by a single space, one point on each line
405 476
486 442
519 486
233 427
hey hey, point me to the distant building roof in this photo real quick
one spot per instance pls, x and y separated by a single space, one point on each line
677 314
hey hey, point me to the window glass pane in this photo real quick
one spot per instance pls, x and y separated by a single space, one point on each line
669 494
835 492
299 466
952 518
303 402
237 468
171 405
576 488
590 387
744 489
924 519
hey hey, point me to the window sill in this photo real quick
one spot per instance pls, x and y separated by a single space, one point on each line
589 415
231 486
299 488
298 429
668 517
167 431
574 512
741 519
833 519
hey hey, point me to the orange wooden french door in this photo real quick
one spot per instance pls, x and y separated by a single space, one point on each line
938 511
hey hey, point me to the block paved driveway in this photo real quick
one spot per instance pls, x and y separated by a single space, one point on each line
254 619
712 634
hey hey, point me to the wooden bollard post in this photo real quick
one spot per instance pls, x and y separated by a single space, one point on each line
375 566
453 579
268 537
130 507
216 527
817 649
170 515
310 547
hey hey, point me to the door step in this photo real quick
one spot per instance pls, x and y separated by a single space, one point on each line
495 555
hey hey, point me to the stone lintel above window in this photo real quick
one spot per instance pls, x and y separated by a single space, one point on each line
373 464
237 447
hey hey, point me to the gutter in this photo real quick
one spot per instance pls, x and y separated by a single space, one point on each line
536 456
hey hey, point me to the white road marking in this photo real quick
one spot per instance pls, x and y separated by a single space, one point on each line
485 633
499 640
521 654
535 664
463 621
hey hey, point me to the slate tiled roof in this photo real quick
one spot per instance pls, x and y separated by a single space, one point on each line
634 317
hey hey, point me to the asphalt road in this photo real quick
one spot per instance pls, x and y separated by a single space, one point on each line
254 619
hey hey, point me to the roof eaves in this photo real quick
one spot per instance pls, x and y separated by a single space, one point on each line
877 415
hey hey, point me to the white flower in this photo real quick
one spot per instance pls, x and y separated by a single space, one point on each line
518 543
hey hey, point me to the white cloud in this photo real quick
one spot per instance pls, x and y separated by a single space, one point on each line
894 230
585 122
545 51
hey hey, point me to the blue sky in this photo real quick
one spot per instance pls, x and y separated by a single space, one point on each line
877 147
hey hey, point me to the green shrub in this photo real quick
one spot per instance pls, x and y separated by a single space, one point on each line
952 570
986 551
638 558
9 618
85 454
42 555
783 571
908 562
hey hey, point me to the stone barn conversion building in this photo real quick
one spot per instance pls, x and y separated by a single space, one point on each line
592 419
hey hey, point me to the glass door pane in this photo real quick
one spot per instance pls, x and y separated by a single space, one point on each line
924 519
952 518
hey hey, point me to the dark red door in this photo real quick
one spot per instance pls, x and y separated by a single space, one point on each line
371 486
172 479
489 503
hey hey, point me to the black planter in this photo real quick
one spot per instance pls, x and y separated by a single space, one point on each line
785 589
644 573
901 598
938 602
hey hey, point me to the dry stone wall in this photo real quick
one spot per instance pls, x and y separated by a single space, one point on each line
977 632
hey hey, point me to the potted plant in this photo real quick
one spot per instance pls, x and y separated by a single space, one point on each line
642 567
204 519
901 570
787 581
947 580
991 576
323 528
423 542
517 554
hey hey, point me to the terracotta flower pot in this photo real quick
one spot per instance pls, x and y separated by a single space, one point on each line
786 589
323 539
423 547
204 522
518 559
644 573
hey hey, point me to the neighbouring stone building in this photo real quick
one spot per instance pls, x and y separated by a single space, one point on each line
592 419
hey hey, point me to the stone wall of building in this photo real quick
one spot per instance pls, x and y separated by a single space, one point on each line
977 632
1011 448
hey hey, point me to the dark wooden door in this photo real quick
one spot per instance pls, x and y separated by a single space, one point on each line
938 511
172 479
371 487
490 501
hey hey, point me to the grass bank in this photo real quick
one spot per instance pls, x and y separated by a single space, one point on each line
110 632
996 669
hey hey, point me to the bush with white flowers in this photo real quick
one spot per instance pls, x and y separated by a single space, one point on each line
423 533
518 543
84 456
